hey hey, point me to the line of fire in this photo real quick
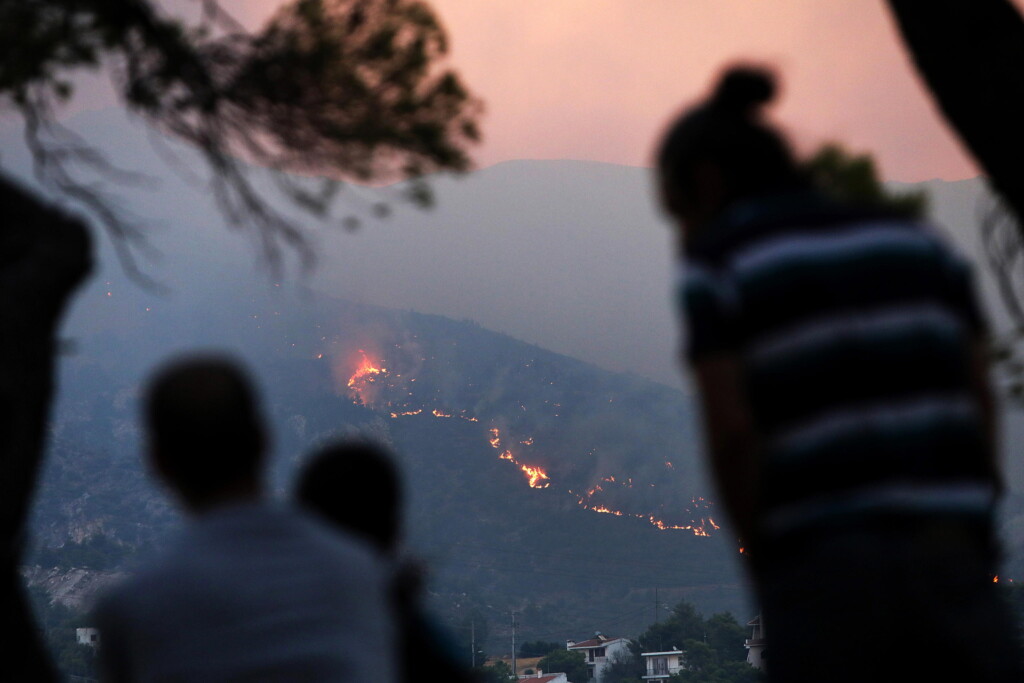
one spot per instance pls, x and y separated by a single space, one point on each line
372 385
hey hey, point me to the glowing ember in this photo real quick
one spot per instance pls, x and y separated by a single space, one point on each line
495 439
438 413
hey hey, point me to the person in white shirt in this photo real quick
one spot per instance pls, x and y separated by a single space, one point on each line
251 589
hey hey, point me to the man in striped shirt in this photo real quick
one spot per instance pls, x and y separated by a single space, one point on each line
840 360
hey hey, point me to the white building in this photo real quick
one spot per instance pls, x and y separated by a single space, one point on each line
599 651
87 636
755 644
661 665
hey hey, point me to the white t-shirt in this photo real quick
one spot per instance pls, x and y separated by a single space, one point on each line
254 591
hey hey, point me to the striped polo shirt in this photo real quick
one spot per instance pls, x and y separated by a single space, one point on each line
853 328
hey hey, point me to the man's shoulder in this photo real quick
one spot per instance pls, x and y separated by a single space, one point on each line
271 530
755 225
224 549
254 586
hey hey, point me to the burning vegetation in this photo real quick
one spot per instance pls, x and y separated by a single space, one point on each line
373 385
362 382
535 475
702 524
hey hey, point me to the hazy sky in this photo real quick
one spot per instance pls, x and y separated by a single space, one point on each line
598 79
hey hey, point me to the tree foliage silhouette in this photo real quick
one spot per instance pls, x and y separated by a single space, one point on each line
853 178
345 88
572 663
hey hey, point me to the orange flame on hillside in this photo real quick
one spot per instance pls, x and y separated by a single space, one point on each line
363 379
700 528
371 378
538 478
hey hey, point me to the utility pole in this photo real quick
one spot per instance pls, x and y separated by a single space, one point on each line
472 643
657 615
514 644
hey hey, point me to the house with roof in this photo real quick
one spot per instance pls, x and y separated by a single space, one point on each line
87 636
599 652
661 665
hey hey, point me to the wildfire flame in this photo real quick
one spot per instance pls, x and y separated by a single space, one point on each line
697 528
538 478
363 378
605 511
370 378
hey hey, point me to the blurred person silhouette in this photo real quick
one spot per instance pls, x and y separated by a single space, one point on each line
356 486
841 365
250 589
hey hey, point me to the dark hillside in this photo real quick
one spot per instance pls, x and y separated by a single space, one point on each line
511 454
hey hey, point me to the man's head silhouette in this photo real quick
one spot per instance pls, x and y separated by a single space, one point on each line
206 439
723 150
356 486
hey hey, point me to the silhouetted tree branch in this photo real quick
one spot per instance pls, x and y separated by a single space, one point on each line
971 54
1003 245
341 88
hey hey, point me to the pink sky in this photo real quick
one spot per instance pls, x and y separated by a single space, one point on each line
599 79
